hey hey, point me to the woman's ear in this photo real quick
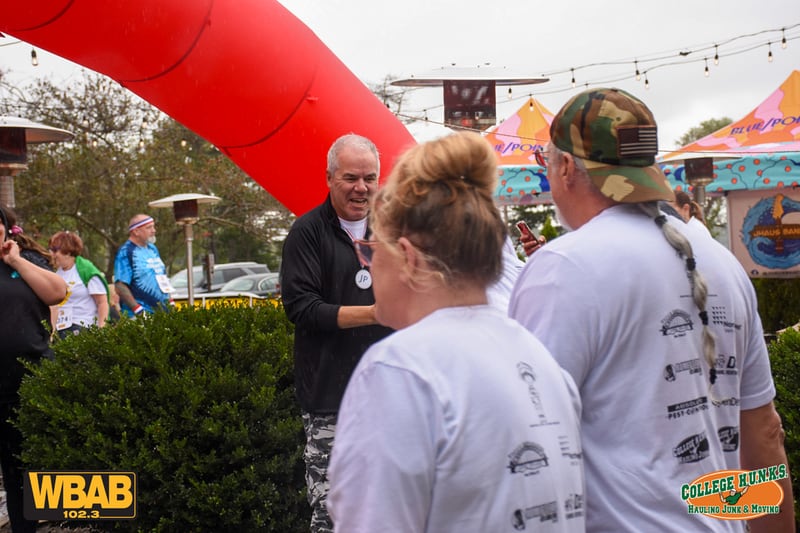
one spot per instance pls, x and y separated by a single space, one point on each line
411 255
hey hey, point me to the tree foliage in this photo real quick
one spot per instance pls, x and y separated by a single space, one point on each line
125 154
393 97
705 128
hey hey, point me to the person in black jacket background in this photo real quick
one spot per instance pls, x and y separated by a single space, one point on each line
327 294
28 287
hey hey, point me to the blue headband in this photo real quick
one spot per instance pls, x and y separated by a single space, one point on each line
143 222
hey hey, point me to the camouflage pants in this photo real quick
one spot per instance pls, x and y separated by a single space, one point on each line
319 440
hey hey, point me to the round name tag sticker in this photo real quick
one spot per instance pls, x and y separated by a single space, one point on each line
363 279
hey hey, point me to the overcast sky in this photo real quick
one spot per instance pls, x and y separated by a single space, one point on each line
375 38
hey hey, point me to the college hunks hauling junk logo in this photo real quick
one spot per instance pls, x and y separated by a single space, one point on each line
736 494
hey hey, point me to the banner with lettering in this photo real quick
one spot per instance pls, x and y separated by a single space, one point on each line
516 139
765 231
773 126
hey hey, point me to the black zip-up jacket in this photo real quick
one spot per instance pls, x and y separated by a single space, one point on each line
318 272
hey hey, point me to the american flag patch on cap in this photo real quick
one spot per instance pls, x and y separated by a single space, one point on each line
637 141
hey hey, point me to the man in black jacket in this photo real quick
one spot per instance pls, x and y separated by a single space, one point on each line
327 294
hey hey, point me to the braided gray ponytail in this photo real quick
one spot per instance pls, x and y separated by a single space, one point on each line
696 281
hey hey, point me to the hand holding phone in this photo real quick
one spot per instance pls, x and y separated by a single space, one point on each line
530 242
525 231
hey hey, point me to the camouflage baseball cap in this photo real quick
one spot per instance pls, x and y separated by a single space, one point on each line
615 135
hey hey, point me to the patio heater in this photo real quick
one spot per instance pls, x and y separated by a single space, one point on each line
469 93
185 208
15 136
699 173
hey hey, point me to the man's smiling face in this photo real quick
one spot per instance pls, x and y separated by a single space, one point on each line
353 182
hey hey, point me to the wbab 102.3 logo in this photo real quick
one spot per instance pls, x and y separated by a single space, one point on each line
79 495
736 494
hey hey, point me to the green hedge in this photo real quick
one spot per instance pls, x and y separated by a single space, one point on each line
198 403
778 302
784 354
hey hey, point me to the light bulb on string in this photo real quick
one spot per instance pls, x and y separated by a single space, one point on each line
646 81
141 144
706 71
716 55
85 121
783 38
34 59
509 93
769 55
573 76
530 103
638 74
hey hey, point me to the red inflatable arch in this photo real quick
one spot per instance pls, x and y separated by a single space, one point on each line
246 75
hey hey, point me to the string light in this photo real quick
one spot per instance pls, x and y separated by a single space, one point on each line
530 104
666 60
663 61
654 62
141 144
85 121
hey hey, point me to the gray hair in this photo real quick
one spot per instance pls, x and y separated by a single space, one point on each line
580 171
350 139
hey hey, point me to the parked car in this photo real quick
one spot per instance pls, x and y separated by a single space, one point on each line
223 273
266 285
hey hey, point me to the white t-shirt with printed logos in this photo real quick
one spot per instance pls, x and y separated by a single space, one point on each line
80 308
499 292
460 422
612 303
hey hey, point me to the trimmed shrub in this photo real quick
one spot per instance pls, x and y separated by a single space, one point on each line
778 302
784 354
198 403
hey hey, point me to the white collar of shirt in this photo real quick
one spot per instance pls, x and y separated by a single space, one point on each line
355 228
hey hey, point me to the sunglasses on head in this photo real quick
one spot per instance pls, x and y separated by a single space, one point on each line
541 158
365 249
